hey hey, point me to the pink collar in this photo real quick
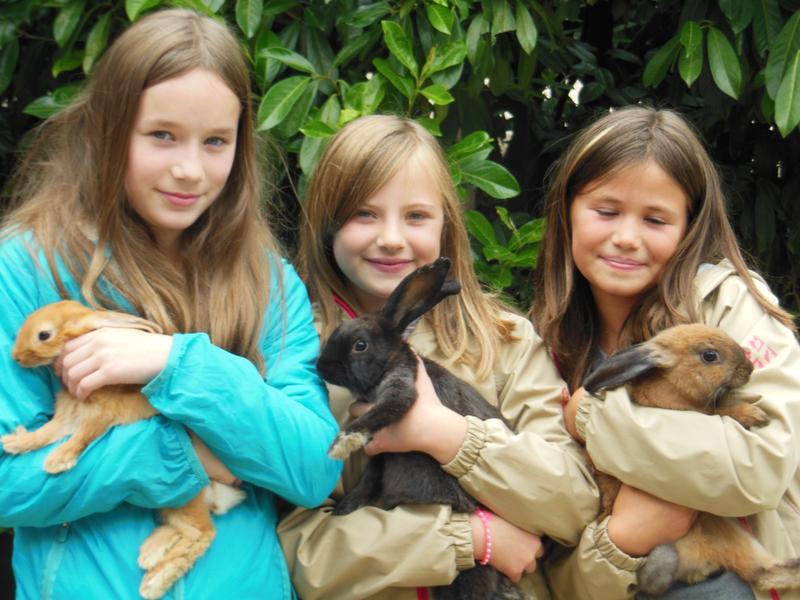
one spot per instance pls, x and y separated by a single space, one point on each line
345 307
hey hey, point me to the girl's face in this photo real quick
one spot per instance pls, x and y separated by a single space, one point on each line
396 231
181 152
625 227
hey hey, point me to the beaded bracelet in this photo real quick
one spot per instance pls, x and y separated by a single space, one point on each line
485 516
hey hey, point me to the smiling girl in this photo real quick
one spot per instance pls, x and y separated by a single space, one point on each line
638 240
381 204
144 196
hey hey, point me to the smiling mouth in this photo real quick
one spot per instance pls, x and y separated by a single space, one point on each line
389 265
625 264
180 199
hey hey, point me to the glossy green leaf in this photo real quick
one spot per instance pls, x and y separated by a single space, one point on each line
502 17
785 47
787 102
400 46
502 212
690 61
527 34
66 21
480 228
364 16
725 68
492 178
8 63
96 41
351 49
279 101
437 94
214 5
531 232
317 129
277 7
365 96
288 57
476 28
441 18
469 145
45 107
134 8
738 12
766 24
432 125
404 84
448 56
67 61
248 16
298 114
662 60
311 149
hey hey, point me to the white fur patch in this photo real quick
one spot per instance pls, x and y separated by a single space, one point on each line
347 443
221 498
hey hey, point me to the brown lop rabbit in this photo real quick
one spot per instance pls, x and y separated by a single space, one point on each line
187 532
692 367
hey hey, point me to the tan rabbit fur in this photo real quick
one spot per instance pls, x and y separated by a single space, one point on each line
188 531
692 367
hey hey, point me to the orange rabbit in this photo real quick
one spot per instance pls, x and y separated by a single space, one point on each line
172 549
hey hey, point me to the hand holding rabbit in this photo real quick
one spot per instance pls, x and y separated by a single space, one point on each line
514 550
109 357
428 426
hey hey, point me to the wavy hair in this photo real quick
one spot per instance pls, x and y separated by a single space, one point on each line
564 311
359 161
69 192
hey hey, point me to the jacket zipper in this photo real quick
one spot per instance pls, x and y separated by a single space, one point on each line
54 561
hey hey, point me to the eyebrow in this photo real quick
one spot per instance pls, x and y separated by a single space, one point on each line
167 124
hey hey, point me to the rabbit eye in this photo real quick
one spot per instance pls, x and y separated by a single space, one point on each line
359 346
45 335
710 356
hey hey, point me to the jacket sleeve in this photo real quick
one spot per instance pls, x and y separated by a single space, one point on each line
751 469
150 463
595 570
536 478
361 554
272 432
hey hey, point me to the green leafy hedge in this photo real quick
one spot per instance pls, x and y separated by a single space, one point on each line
502 82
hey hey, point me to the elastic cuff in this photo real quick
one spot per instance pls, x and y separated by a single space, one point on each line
468 454
610 551
582 416
460 529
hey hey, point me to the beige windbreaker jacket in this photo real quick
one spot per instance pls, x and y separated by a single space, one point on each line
537 479
710 463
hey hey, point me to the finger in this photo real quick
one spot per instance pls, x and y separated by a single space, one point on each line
90 383
531 567
565 397
79 341
57 364
71 357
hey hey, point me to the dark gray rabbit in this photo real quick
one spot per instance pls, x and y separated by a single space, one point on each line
370 357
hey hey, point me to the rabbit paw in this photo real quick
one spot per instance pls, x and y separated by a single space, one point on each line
156 546
17 442
61 459
347 443
748 415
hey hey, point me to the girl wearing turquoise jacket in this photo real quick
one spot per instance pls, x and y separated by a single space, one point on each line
144 196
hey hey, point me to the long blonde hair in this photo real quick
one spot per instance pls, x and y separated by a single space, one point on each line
69 192
564 310
360 160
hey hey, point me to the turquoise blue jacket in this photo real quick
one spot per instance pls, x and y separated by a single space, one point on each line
77 534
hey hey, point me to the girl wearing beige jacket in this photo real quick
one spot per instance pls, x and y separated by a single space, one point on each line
380 205
649 246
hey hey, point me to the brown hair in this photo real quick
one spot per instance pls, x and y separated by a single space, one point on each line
564 310
69 191
360 160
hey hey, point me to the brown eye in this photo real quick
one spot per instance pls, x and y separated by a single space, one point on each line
710 356
45 335
360 346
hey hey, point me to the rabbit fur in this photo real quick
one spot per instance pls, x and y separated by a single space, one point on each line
370 357
171 550
692 367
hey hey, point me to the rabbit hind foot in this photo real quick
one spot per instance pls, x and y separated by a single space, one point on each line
221 498
174 565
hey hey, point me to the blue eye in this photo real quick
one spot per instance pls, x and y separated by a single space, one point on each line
161 135
216 141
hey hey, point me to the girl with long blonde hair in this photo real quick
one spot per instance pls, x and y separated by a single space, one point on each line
145 195
381 204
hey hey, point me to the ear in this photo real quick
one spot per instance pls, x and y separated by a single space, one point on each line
107 318
626 366
418 293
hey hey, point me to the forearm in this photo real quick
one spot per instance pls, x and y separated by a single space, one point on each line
371 550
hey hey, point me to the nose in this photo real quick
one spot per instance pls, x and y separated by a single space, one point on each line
391 236
188 166
626 234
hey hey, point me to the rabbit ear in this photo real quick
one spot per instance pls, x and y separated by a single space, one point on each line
418 293
107 318
626 366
